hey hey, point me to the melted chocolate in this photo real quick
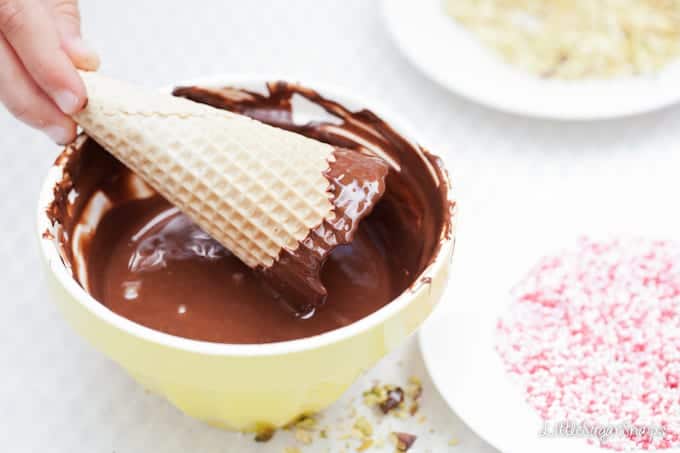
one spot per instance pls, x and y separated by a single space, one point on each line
149 263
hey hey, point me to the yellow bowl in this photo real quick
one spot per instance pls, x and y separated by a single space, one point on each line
245 387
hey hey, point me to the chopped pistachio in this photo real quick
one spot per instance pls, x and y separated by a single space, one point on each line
356 434
364 426
414 389
401 413
403 441
393 399
415 380
303 436
365 445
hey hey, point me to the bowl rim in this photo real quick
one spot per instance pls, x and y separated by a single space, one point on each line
49 249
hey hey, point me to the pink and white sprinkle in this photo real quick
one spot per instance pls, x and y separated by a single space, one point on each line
593 336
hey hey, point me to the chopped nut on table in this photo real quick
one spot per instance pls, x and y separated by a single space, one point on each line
363 426
365 445
403 441
303 436
393 400
386 397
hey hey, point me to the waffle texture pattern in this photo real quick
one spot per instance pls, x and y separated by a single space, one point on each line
255 188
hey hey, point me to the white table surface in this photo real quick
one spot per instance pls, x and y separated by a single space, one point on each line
57 394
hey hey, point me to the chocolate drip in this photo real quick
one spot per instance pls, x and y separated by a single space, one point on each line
357 182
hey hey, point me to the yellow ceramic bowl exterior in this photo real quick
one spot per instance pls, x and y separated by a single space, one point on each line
243 387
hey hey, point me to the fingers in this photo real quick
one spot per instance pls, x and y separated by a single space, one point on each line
67 17
40 48
30 30
28 102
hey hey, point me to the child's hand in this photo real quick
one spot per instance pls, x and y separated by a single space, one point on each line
40 49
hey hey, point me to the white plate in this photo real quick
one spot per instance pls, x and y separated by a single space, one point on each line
448 54
491 256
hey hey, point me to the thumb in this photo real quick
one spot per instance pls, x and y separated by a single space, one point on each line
67 17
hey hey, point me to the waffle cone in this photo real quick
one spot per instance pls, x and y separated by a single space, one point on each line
255 188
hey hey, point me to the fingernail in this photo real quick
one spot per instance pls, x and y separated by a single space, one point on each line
58 134
67 102
88 57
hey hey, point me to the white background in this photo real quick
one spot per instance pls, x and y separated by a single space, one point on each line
57 394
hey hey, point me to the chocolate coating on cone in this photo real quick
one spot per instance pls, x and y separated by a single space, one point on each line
357 182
